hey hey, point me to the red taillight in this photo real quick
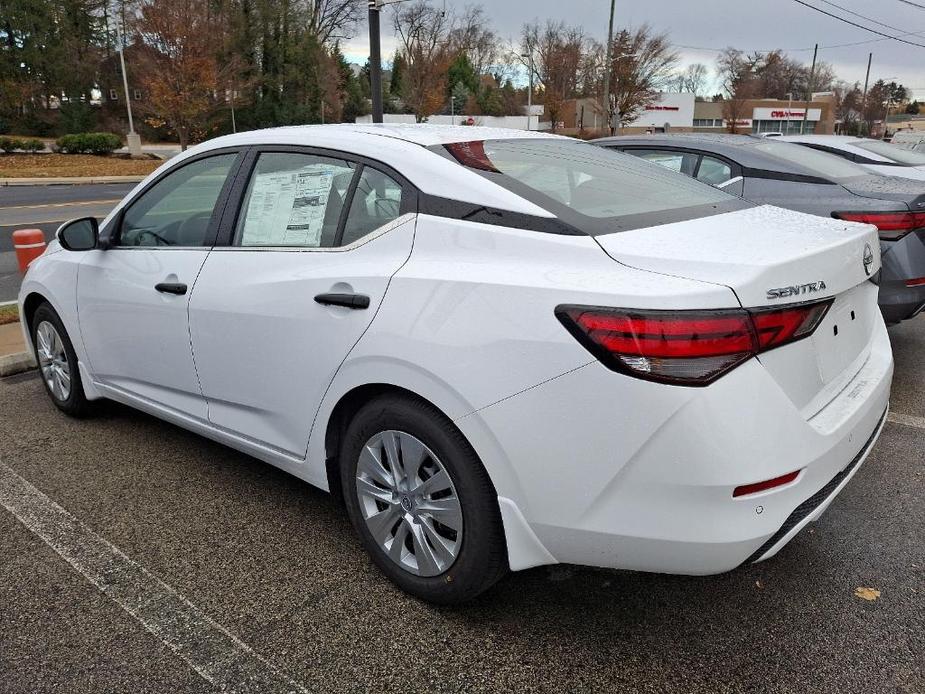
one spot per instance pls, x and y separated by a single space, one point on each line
892 226
917 282
767 484
686 347
471 154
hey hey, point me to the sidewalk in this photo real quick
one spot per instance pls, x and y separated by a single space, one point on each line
69 180
13 355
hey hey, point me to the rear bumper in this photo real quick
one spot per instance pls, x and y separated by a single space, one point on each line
899 302
610 471
902 260
814 506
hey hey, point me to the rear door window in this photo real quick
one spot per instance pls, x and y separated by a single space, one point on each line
376 202
713 171
680 162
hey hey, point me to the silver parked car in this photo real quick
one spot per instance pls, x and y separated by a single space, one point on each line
769 171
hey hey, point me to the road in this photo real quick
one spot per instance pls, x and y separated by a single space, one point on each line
255 553
45 208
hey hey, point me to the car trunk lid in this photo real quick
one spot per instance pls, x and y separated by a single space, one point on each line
774 257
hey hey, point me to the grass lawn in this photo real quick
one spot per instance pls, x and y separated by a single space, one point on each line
57 165
9 314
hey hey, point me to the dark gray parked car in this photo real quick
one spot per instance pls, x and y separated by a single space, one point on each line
772 172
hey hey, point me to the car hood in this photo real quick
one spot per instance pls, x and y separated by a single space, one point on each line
755 252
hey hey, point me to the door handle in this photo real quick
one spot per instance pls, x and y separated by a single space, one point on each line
177 288
345 300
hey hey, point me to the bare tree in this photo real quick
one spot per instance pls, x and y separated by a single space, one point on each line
693 79
471 37
555 53
331 20
643 63
735 106
423 32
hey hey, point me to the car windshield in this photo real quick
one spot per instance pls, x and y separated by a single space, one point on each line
892 152
593 188
822 164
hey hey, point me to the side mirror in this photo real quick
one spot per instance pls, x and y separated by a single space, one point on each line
79 234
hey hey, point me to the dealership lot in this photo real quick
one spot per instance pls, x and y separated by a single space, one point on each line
273 561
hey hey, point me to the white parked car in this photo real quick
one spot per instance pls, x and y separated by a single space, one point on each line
874 155
503 349
909 139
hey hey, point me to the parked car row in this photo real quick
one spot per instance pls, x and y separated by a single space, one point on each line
501 349
826 176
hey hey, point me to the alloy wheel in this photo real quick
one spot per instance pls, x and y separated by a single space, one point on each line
53 361
409 503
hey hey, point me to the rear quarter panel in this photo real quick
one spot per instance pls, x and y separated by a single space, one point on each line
469 320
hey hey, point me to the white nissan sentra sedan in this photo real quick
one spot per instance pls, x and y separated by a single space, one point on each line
502 349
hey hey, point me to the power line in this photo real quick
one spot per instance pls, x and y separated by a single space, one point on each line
914 4
794 50
865 17
859 26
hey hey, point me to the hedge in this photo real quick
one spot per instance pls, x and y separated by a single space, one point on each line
13 144
89 143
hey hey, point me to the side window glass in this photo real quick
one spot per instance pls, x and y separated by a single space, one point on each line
177 210
293 200
377 201
713 171
682 162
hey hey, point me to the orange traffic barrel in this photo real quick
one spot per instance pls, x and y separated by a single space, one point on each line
29 245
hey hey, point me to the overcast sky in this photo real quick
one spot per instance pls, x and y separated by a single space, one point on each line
714 24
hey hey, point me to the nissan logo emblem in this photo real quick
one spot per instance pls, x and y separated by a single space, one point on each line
868 258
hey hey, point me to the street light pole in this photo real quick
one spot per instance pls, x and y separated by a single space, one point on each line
607 107
132 139
529 57
375 61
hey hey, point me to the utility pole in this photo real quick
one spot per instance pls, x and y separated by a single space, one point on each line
133 140
608 111
870 57
809 95
375 61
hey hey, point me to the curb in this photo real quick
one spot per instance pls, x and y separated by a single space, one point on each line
70 181
16 363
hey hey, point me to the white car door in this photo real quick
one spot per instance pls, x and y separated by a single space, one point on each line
133 297
307 257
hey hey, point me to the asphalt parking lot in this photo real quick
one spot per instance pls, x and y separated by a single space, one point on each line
257 583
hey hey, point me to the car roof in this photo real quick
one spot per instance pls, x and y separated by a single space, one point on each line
400 146
742 149
845 143
423 134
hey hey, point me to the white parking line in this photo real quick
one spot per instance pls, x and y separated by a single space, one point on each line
906 420
216 654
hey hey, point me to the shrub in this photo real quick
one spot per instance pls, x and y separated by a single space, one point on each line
10 144
32 145
89 143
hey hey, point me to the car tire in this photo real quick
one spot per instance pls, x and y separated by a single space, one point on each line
58 362
454 564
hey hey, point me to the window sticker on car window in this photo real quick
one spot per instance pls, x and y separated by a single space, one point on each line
286 208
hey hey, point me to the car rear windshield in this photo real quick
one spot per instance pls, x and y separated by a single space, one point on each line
812 161
892 152
592 188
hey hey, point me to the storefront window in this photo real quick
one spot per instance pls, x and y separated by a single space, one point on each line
785 127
